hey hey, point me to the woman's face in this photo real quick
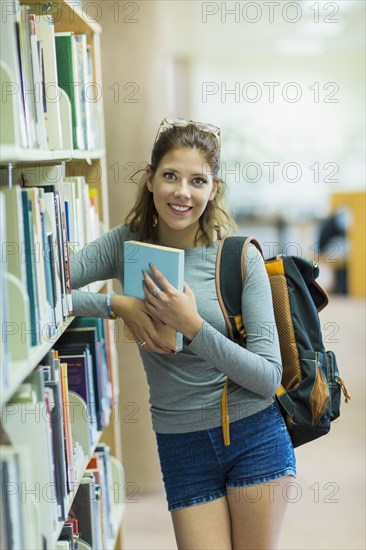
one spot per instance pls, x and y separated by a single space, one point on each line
182 186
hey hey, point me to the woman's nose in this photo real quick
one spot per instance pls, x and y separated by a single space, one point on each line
182 189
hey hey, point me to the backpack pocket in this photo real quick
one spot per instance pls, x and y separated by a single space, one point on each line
308 417
336 385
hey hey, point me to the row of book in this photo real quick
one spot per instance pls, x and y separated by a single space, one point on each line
40 227
59 410
91 513
40 61
90 516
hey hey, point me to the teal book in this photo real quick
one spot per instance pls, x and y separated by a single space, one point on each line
170 261
31 268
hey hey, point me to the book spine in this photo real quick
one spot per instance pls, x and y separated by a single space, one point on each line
67 427
31 279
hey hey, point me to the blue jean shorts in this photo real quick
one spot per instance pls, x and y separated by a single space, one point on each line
197 467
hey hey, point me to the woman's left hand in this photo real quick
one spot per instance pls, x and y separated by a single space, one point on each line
176 309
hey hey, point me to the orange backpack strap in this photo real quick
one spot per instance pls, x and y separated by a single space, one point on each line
230 276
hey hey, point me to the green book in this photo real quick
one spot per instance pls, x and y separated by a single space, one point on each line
66 74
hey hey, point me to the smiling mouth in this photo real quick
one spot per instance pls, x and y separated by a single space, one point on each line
180 207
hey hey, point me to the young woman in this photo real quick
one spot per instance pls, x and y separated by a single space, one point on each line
220 497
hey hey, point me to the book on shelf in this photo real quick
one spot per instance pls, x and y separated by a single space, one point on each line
69 536
45 451
92 506
51 207
26 421
80 379
37 58
31 264
91 335
86 509
46 35
100 325
83 211
35 196
53 385
11 507
10 58
170 261
37 255
40 61
102 452
14 248
27 77
19 498
94 468
37 246
68 79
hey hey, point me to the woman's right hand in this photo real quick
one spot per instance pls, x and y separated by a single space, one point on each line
132 310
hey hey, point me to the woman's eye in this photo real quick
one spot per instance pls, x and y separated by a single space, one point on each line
169 175
199 181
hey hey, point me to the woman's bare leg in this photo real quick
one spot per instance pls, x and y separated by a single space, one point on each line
257 513
203 526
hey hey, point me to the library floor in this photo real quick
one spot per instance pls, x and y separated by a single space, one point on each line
329 509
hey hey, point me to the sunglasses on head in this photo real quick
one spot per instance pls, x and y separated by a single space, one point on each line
181 123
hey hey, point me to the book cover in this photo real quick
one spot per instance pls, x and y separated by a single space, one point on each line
10 57
82 509
34 432
95 468
30 262
15 233
89 322
170 261
82 62
88 336
38 83
21 520
67 427
102 451
27 76
44 306
11 500
80 379
46 35
53 252
65 74
58 443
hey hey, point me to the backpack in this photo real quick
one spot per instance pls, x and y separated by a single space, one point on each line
310 391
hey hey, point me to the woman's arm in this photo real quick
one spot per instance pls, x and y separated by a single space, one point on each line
101 260
97 261
257 367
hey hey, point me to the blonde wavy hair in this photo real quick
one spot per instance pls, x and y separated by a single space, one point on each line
142 219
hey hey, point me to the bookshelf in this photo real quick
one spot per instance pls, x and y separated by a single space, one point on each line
45 151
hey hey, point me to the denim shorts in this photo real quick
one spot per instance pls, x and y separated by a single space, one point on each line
197 467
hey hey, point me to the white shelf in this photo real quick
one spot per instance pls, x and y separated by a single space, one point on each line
88 155
22 368
15 154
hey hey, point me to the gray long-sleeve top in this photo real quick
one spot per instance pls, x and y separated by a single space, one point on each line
186 388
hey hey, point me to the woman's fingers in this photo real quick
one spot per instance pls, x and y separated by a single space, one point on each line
154 341
162 282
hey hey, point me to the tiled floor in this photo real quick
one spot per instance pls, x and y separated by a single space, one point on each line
329 512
